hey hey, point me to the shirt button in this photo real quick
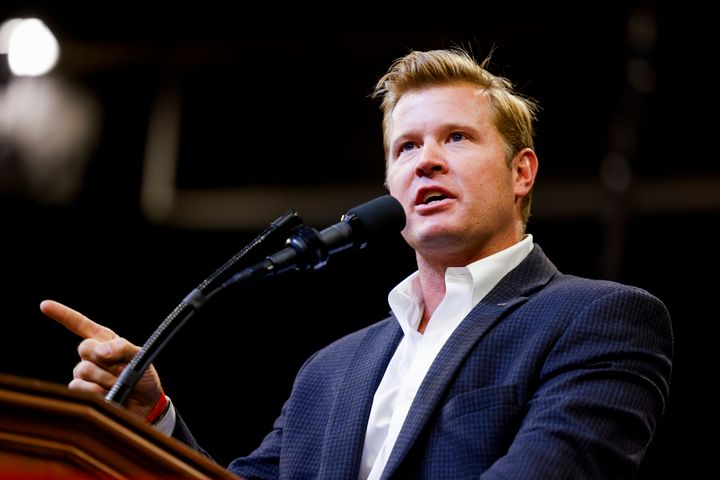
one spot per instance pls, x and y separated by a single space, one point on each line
411 394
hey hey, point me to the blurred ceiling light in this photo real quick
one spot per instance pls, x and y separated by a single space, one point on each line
48 130
31 47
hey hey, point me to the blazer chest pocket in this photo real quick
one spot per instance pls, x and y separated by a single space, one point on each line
503 397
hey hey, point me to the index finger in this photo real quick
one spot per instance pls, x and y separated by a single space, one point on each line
75 321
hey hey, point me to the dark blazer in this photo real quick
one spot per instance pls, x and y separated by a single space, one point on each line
549 376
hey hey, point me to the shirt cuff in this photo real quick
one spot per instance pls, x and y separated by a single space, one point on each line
166 423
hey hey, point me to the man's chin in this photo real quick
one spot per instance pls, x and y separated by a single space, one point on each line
434 240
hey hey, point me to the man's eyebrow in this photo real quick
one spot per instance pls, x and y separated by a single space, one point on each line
446 127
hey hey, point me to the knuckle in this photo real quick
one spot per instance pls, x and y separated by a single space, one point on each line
83 370
77 384
87 347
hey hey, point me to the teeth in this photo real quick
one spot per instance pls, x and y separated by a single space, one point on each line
430 194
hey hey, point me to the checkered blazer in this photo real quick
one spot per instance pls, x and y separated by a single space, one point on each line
550 376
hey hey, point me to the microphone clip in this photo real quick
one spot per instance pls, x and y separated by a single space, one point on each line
312 253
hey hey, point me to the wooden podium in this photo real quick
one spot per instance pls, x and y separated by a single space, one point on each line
48 431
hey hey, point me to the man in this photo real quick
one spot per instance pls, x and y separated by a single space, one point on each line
493 364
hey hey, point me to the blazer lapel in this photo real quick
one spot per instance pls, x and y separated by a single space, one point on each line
534 272
345 432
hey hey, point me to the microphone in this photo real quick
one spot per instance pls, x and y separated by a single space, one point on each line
309 249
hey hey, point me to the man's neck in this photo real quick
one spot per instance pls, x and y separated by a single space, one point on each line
431 272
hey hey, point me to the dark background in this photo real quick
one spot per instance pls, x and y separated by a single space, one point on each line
628 189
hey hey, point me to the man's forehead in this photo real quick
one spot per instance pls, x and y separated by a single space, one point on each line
441 105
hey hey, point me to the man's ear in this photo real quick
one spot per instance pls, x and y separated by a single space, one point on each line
525 167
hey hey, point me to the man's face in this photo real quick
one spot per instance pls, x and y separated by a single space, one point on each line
448 168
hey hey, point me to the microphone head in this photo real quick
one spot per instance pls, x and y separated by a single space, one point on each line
379 216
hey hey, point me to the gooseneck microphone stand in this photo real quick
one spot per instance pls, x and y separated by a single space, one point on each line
278 230
306 249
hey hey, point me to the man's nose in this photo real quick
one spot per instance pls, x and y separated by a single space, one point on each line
431 161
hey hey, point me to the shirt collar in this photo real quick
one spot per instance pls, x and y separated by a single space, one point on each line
487 272
406 301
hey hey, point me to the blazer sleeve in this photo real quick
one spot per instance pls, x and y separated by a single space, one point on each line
182 432
601 392
264 462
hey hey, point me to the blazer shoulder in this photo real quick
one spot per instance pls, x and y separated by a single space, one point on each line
561 286
379 332
595 289
382 327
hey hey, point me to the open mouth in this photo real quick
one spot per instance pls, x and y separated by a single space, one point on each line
431 197
428 196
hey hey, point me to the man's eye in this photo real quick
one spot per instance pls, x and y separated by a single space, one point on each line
456 137
407 146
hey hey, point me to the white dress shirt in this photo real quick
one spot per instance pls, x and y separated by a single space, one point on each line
464 288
